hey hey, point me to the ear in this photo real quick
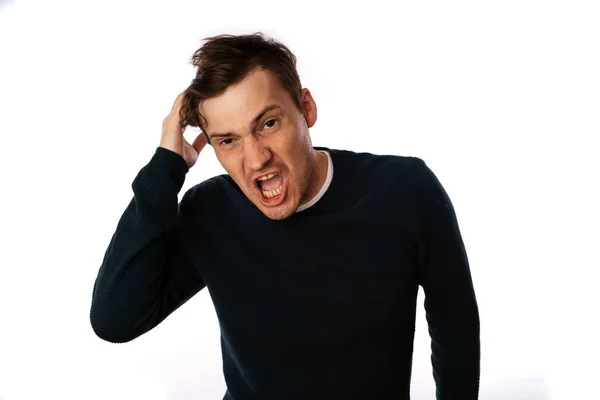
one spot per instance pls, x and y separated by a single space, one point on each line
309 108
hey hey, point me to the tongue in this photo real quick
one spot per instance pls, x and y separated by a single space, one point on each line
272 183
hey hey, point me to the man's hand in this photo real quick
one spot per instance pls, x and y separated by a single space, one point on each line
172 136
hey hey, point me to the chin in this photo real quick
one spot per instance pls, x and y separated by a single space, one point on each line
282 211
278 214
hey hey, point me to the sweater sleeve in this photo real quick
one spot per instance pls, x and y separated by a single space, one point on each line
450 304
146 274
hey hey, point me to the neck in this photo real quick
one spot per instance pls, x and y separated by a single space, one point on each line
318 175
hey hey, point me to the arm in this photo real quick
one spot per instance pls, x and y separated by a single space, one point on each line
450 304
146 274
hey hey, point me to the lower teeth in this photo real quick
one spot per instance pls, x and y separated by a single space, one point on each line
269 194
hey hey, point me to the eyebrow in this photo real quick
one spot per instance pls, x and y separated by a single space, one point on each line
255 121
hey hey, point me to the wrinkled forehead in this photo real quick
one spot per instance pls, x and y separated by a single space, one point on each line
241 102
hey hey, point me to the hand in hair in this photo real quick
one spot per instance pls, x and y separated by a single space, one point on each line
172 136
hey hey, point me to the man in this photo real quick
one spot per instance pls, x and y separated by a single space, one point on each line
312 256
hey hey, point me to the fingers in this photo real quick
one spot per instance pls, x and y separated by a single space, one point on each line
171 123
200 142
177 103
174 114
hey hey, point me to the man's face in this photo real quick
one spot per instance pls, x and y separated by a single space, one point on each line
256 130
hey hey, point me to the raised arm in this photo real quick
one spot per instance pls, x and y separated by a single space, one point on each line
146 273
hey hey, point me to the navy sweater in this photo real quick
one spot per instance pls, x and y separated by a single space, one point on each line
320 305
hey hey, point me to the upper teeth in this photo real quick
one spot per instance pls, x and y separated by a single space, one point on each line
264 178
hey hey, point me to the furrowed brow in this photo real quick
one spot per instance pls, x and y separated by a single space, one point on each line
255 121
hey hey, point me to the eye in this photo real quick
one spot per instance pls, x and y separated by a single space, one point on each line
223 142
272 121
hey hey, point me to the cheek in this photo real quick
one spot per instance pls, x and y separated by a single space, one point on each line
298 166
294 146
235 169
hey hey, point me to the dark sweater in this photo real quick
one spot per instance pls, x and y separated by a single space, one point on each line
320 305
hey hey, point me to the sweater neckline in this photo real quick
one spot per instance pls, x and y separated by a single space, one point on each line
325 186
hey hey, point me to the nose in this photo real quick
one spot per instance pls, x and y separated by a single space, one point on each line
256 154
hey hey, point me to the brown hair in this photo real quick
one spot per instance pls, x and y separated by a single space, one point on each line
227 59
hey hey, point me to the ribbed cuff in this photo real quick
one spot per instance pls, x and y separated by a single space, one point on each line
170 162
165 173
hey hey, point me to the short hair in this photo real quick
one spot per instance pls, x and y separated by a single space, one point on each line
224 60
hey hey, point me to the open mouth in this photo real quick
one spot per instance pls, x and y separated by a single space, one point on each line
271 188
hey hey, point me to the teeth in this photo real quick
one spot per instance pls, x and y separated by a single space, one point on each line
264 178
268 194
271 193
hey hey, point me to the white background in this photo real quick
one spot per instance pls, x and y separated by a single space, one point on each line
501 99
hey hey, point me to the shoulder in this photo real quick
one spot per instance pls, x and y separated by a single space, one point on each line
388 170
204 193
371 160
207 189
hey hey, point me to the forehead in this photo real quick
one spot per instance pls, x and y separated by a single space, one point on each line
241 102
